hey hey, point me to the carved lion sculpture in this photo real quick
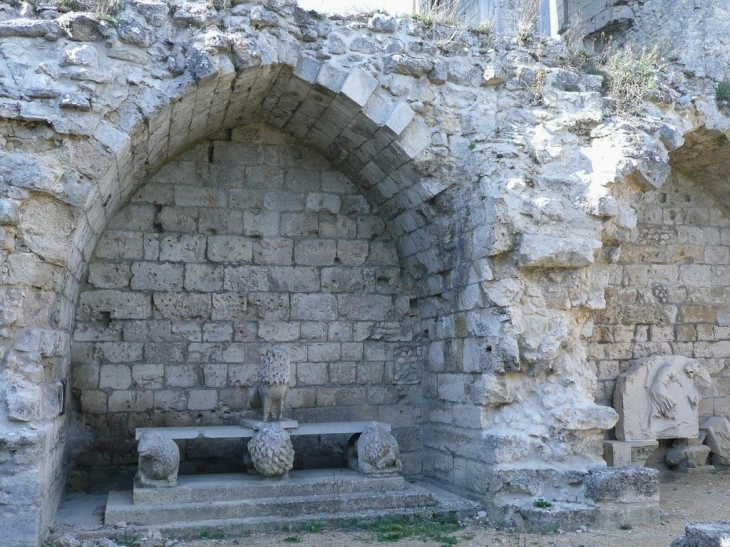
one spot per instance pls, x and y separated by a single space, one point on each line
159 458
377 451
271 451
273 383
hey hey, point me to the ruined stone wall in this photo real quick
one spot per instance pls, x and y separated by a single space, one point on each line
235 246
668 290
494 173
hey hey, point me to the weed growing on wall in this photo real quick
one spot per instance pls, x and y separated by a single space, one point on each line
527 23
100 8
632 77
722 93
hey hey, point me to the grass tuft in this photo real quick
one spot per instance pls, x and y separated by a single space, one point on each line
541 503
722 93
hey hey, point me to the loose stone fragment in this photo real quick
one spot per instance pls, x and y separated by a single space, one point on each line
407 65
29 28
75 101
493 75
717 437
80 27
85 55
261 17
690 457
132 31
382 23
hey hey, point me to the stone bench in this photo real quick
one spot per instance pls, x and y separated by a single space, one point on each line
159 456
241 432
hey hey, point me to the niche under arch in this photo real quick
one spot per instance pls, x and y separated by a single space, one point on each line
244 241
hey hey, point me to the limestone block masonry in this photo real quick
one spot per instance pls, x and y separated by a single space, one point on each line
427 219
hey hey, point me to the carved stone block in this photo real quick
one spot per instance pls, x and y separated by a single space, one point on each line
271 451
378 452
159 459
273 384
658 399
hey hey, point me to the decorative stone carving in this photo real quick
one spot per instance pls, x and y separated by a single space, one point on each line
271 451
159 458
658 399
378 452
273 384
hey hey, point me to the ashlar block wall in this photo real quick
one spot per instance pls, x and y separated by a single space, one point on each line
243 242
669 291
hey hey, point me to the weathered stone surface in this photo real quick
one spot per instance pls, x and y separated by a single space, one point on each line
658 399
378 452
271 451
704 534
80 27
86 55
538 251
403 299
493 75
159 458
717 435
623 484
623 453
381 22
29 28
407 65
133 31
190 13
688 456
262 17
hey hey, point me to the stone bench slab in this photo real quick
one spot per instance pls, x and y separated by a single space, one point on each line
239 432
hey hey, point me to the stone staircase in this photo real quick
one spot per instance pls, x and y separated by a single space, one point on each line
234 503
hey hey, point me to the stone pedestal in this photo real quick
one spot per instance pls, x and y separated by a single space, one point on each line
623 453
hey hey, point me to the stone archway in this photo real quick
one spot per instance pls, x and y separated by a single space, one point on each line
245 241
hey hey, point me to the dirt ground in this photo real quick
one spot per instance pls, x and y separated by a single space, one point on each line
684 498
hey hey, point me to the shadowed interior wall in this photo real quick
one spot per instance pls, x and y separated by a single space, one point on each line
243 242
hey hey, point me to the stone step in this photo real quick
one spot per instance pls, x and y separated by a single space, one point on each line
79 514
242 526
120 506
241 486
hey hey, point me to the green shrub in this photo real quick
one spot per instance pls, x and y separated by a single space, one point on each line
722 93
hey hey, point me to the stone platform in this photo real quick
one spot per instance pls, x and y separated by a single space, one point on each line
238 502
